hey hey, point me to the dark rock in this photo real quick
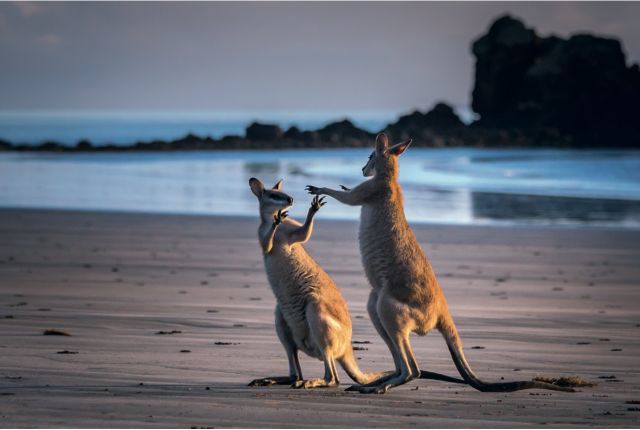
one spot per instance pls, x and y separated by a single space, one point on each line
577 91
293 133
5 146
50 146
441 126
263 132
344 132
503 56
231 138
297 138
84 145
309 136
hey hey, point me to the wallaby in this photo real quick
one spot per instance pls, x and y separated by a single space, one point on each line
311 315
406 296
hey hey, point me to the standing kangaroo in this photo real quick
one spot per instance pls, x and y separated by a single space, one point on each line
406 296
311 314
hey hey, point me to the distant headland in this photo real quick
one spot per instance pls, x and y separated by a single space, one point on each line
529 91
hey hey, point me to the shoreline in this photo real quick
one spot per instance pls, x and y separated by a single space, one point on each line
503 224
489 224
527 302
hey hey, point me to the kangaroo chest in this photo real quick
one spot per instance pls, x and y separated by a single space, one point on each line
294 285
390 255
374 243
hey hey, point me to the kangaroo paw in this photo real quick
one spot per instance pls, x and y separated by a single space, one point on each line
313 383
313 190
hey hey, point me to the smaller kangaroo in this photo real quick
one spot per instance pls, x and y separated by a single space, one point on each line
311 315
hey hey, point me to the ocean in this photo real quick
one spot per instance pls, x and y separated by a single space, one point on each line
467 186
122 127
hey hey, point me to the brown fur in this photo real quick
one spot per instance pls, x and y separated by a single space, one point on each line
311 315
406 296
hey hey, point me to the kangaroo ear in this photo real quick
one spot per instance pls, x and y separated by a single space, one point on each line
382 143
399 148
278 185
256 187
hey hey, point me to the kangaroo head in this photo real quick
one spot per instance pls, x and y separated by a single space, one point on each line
271 201
384 159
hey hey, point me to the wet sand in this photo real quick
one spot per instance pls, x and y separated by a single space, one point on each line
527 301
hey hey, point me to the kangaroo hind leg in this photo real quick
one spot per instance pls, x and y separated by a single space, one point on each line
372 309
295 373
330 376
398 329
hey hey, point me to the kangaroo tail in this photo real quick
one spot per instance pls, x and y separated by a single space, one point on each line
440 377
349 364
450 334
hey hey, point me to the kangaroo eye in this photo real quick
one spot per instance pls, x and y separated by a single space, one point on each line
278 198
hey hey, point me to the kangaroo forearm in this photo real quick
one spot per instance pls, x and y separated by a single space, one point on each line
350 198
267 242
267 245
303 233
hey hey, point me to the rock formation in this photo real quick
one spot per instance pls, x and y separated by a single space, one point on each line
578 90
263 132
441 126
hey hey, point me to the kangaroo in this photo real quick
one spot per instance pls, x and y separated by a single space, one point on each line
311 315
406 296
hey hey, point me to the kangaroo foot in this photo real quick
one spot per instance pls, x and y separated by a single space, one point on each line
273 380
379 381
382 388
314 383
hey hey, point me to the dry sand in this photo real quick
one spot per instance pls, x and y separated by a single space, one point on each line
552 301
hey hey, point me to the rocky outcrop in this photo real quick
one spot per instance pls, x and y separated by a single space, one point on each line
441 126
84 145
344 132
578 89
258 132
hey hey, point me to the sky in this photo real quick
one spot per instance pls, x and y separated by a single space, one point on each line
264 56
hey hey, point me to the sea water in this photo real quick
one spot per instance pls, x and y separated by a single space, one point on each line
460 186
126 128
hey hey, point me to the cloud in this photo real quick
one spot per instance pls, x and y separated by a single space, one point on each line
27 8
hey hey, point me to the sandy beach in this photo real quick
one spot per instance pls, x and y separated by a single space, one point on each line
171 316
